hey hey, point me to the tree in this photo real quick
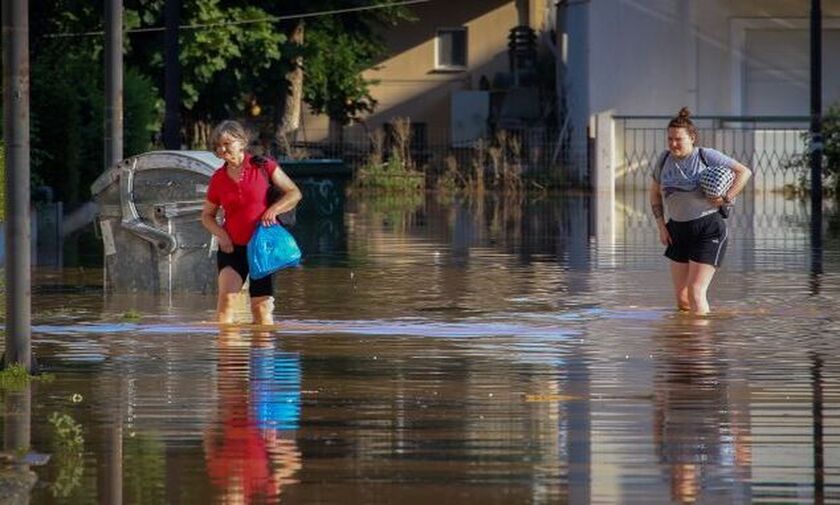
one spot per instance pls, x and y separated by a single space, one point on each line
338 49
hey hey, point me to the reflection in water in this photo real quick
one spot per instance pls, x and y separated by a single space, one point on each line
481 350
16 477
701 421
250 448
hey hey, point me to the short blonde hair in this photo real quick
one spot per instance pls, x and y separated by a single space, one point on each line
230 128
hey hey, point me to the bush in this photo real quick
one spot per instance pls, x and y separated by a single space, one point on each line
390 176
67 122
831 153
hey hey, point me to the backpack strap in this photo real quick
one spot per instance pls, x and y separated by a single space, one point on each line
662 158
703 157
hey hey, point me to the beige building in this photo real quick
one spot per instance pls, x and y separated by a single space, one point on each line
452 49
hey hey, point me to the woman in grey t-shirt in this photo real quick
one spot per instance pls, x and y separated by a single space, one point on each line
695 234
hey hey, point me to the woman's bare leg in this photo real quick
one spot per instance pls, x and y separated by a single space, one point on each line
679 276
262 309
229 285
699 278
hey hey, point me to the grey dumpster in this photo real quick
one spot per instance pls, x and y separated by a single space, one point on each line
150 222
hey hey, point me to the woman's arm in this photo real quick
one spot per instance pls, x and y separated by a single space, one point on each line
659 212
742 175
208 219
289 200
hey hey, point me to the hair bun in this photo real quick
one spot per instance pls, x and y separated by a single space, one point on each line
684 113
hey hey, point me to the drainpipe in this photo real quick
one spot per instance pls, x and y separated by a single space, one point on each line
523 12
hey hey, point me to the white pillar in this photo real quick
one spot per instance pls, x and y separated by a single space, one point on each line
603 177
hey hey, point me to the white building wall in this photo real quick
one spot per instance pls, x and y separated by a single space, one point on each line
641 62
651 57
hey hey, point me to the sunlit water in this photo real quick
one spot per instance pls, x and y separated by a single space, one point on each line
459 352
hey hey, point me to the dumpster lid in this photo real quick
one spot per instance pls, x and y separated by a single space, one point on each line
203 162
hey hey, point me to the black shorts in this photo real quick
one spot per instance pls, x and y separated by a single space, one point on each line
702 240
238 261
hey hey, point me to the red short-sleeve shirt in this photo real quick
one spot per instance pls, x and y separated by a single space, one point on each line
243 201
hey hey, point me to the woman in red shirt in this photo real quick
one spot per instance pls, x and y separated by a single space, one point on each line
239 188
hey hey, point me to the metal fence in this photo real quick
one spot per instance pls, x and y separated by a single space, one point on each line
534 154
771 146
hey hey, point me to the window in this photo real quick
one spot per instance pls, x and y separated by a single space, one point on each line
451 49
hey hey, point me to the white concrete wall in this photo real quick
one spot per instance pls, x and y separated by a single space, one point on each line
651 57
641 62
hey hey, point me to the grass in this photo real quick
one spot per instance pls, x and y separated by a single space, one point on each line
16 378
131 315
391 176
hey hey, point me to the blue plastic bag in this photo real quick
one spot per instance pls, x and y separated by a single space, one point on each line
275 388
270 249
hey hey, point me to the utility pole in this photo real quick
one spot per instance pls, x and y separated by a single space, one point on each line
172 77
816 138
16 139
113 83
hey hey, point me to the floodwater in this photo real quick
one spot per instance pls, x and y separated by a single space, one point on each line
488 351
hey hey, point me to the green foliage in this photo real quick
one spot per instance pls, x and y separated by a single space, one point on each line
142 112
394 210
144 482
67 119
227 64
16 378
131 315
68 447
831 152
333 82
831 139
391 176
226 58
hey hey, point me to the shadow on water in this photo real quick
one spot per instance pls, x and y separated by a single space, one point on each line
477 350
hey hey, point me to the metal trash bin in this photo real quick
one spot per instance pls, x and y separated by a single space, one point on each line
150 223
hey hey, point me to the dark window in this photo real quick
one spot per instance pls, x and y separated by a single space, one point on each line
452 48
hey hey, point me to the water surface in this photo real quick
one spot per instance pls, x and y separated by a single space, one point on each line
486 351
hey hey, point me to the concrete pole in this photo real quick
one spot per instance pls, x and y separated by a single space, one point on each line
172 77
604 178
113 83
816 137
16 139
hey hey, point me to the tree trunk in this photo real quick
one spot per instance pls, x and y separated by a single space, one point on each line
290 106
336 137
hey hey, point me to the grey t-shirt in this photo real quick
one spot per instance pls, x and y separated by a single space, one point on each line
679 182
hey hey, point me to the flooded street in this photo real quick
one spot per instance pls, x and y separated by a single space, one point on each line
481 351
